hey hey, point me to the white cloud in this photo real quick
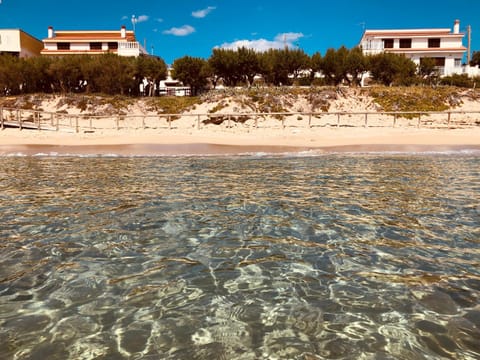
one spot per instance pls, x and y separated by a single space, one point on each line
279 42
139 19
204 12
181 31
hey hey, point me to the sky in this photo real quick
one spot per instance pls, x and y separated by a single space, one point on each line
176 28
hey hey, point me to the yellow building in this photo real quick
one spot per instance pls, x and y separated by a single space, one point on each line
18 43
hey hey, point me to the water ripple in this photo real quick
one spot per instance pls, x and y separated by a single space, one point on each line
339 256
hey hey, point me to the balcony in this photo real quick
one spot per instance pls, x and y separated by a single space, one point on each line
129 48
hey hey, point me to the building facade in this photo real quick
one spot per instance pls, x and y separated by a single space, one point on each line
121 42
18 43
445 46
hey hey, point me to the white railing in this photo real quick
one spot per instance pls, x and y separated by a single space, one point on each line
129 48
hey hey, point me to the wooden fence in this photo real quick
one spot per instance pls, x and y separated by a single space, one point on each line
40 120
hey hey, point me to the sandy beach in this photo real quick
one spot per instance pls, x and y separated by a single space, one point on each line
229 141
143 132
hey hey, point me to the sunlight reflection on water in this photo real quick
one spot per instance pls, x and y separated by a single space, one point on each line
338 256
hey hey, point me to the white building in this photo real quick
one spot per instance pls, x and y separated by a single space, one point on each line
121 42
445 46
18 43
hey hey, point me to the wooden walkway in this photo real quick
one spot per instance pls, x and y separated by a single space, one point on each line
48 121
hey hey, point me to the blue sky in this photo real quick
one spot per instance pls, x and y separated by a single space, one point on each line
174 28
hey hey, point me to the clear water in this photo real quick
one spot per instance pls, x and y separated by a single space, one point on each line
326 257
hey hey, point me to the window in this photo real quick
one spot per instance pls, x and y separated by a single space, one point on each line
388 43
112 46
95 46
458 62
63 46
439 61
405 43
434 43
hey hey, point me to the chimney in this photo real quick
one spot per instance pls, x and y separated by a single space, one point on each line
123 32
456 27
51 33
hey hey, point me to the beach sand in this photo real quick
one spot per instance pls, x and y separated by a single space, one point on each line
229 141
295 133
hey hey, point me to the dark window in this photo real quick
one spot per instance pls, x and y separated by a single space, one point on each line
405 43
63 46
434 43
388 43
95 46
439 61
112 46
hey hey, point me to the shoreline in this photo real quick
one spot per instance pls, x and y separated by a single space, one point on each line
349 140
215 141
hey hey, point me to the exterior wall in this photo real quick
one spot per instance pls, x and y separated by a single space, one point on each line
30 46
79 42
10 41
451 48
20 43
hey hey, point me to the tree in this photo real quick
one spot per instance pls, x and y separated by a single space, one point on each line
296 61
224 63
315 64
274 67
248 64
332 67
152 68
391 69
65 73
475 58
355 65
191 71
427 70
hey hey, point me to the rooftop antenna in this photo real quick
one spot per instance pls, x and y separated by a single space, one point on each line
134 21
363 24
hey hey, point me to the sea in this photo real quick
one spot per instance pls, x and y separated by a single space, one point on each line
371 255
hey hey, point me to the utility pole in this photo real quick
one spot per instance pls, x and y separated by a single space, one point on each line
469 36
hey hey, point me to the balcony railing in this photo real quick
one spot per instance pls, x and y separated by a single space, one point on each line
128 48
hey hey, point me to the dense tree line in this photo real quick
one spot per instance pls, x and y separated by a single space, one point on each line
293 66
108 74
112 74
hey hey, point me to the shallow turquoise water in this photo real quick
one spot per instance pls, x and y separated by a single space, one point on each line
334 256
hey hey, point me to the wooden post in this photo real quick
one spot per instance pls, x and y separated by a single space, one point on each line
394 119
309 120
366 120
76 124
419 116
51 119
228 122
198 122
169 122
57 122
118 122
38 118
143 122
449 119
283 122
256 121
1 118
19 119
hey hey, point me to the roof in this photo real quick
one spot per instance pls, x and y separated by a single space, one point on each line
411 33
90 35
